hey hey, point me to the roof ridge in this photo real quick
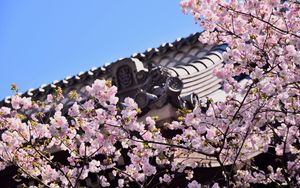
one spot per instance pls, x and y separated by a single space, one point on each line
44 89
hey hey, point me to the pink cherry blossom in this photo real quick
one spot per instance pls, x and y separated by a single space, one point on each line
101 135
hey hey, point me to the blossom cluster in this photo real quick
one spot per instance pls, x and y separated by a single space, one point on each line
93 135
262 113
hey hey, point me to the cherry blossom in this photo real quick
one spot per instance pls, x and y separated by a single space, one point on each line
251 138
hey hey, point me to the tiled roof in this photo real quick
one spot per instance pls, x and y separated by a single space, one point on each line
197 76
84 78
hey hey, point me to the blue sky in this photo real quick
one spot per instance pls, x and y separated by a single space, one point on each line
42 41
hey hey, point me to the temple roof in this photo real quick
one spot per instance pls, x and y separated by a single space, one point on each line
186 58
